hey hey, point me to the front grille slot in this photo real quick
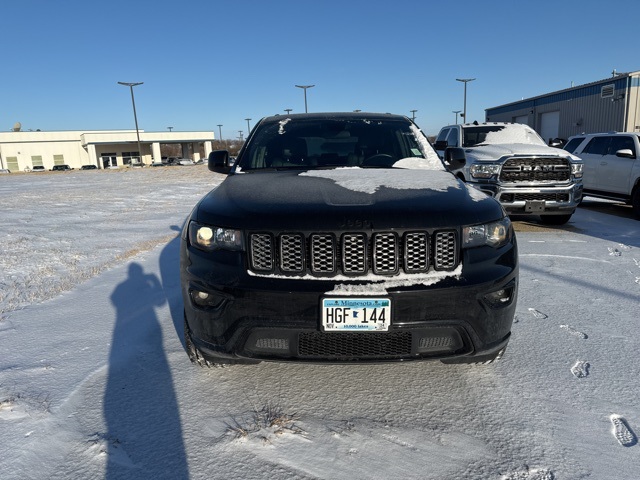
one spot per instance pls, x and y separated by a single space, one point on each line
292 253
353 254
535 169
445 254
385 248
262 252
354 345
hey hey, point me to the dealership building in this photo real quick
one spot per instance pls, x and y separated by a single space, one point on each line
21 151
612 104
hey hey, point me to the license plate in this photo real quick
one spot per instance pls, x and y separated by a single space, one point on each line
532 206
356 314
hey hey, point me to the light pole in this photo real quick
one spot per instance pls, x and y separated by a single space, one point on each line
241 133
135 117
170 128
288 110
465 81
220 130
456 112
413 114
304 87
248 126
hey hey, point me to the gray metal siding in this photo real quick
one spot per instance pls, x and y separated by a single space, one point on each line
582 109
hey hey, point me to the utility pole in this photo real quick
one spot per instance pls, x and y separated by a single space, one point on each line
135 117
465 81
304 87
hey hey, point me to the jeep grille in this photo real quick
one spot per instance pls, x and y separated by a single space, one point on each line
353 254
535 169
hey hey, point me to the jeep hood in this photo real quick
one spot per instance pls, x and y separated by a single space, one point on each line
343 199
497 151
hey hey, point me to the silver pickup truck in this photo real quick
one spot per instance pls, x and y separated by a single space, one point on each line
510 162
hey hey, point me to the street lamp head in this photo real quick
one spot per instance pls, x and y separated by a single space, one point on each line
130 84
465 80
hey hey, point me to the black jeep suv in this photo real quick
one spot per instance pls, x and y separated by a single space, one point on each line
341 237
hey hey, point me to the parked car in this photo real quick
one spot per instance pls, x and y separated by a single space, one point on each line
341 237
88 167
5 170
185 162
61 168
38 168
157 164
611 165
511 162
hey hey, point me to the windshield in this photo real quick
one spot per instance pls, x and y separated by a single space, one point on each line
336 142
499 134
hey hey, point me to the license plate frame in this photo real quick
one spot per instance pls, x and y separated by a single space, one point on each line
355 314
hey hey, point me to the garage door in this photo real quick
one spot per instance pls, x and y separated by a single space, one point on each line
549 125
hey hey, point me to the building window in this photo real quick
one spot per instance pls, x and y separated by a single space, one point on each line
607 91
36 161
58 159
130 157
12 164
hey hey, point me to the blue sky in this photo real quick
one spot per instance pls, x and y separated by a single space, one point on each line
205 63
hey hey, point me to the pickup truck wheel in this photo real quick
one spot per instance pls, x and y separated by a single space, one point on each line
554 219
635 201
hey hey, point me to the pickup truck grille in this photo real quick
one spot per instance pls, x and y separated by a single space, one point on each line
353 254
535 169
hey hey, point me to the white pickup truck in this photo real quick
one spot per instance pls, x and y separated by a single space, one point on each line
509 161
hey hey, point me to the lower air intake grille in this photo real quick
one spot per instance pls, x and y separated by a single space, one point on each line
354 345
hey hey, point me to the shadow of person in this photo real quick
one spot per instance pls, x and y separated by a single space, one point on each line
144 432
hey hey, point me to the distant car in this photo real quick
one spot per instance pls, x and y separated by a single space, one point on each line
157 164
38 168
611 165
185 161
88 167
61 168
5 170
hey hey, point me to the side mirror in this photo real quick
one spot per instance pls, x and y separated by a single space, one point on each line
219 161
625 153
440 145
454 158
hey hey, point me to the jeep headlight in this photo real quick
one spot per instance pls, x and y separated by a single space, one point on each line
480 170
576 169
208 238
494 234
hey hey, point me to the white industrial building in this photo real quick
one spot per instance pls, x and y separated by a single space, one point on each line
21 151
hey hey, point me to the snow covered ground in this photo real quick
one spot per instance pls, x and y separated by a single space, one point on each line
94 382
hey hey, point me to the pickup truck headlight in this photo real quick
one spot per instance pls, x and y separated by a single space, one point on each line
480 170
576 169
208 237
494 234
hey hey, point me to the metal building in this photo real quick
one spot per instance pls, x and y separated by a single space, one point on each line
612 104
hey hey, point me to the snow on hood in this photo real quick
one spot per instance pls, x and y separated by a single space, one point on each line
432 161
515 133
369 180
496 151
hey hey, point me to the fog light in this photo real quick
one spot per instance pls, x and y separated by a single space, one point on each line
205 299
500 298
